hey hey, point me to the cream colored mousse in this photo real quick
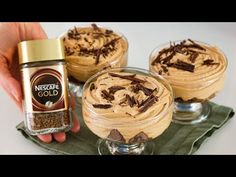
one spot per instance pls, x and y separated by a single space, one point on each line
127 107
92 49
196 71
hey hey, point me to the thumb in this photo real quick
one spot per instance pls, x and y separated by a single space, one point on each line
10 84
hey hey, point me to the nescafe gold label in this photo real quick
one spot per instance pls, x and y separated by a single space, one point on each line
44 88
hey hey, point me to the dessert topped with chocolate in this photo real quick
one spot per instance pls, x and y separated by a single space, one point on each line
187 56
92 49
127 103
189 65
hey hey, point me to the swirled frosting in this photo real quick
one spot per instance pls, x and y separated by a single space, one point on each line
92 49
195 70
127 104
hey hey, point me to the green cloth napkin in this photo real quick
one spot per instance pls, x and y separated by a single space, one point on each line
177 139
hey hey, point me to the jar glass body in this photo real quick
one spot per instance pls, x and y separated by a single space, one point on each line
45 97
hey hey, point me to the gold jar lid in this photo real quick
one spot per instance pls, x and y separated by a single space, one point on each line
40 50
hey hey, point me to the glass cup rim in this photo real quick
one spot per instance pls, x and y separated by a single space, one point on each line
150 73
163 45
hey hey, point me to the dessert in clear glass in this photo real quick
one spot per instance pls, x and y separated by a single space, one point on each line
127 108
196 72
90 49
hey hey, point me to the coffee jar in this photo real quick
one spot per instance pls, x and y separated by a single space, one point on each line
45 86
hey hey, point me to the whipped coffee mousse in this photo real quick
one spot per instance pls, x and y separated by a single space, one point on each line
127 107
92 49
195 70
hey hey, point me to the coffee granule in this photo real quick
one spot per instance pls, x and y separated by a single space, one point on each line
40 121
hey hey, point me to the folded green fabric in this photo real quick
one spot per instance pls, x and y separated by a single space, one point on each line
177 139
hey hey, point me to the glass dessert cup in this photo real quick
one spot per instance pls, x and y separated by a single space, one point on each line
80 68
124 129
193 90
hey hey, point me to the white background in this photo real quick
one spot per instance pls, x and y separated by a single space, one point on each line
143 38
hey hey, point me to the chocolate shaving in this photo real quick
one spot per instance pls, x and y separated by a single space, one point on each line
147 103
115 135
182 48
139 138
95 27
73 34
76 32
157 59
104 50
92 87
128 77
146 91
135 88
114 89
97 35
195 45
209 62
131 100
168 58
102 106
155 89
173 49
69 51
182 65
193 57
121 76
97 56
128 113
107 95
178 48
108 31
112 42
166 50
123 101
107 67
183 42
96 53
164 69
109 47
84 51
163 51
144 101
86 40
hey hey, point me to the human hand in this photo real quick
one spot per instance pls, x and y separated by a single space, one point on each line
10 35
